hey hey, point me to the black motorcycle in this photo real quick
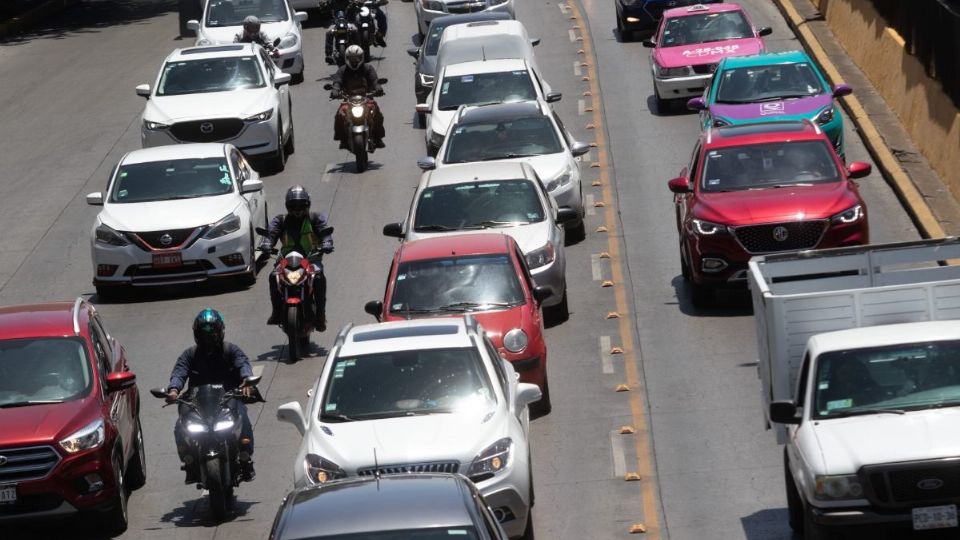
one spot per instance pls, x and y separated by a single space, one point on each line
365 19
210 420
358 124
344 35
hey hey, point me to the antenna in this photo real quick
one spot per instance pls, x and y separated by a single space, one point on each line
376 468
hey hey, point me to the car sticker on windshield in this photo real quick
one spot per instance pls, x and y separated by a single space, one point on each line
824 385
396 307
457 532
445 88
330 407
401 277
839 404
713 181
774 107
466 79
225 179
121 194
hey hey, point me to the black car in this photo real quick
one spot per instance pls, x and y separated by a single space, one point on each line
388 507
643 16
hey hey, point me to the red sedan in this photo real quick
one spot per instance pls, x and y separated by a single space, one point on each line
485 275
762 188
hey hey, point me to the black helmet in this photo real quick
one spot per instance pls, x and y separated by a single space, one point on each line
208 328
251 24
297 199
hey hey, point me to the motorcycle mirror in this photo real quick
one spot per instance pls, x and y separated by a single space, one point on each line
374 307
328 86
251 381
382 80
325 231
158 392
414 52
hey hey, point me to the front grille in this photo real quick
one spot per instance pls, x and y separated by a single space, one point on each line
220 129
436 467
162 239
29 504
466 7
704 69
900 485
773 237
31 463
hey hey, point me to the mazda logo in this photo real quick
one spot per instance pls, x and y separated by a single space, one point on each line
930 484
206 127
3 460
166 239
780 233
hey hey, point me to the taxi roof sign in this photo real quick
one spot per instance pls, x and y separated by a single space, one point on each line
698 7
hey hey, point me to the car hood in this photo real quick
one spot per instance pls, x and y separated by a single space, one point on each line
772 111
495 322
226 34
794 203
846 444
41 424
706 53
165 215
232 104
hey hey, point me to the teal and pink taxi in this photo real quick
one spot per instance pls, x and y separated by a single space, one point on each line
691 41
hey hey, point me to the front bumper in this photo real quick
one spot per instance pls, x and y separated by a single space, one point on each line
507 495
552 276
859 516
290 61
569 194
681 87
254 139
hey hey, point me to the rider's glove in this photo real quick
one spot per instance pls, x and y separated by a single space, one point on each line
172 395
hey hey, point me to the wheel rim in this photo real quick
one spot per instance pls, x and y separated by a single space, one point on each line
121 492
141 453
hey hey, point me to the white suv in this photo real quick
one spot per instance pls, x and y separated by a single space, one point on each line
429 395
427 10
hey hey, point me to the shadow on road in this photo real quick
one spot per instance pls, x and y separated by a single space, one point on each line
196 513
726 303
92 16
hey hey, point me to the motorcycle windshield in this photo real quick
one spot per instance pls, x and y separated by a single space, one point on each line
208 400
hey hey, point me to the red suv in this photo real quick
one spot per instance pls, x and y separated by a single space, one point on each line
762 188
69 409
485 275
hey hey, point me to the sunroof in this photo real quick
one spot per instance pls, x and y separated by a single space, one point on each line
205 50
406 331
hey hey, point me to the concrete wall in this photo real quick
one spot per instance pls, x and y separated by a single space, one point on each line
919 101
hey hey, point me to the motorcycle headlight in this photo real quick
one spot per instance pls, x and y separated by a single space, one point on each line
681 71
223 425
515 340
154 126
194 427
825 116
260 117
490 462
541 257
850 215
106 235
431 5
561 180
707 228
294 276
320 470
357 111
837 487
225 226
426 80
289 40
89 436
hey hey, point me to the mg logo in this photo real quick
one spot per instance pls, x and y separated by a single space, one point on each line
206 127
780 233
3 460
930 484
166 239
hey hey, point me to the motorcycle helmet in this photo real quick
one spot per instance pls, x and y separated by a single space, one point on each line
251 24
208 329
297 199
353 56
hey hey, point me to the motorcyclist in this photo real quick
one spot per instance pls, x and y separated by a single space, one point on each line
357 78
341 23
212 361
299 230
252 34
380 16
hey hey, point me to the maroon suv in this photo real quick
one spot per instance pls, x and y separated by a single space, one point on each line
69 409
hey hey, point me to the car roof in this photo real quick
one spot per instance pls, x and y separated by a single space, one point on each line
213 51
462 18
472 49
495 28
399 502
764 59
455 245
424 334
760 132
459 173
880 336
54 319
174 152
500 112
698 9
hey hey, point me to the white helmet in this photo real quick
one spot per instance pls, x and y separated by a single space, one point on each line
353 56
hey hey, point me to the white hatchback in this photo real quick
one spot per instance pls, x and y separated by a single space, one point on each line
177 214
428 395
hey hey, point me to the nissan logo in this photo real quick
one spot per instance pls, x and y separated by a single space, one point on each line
3 460
166 239
930 484
780 233
206 127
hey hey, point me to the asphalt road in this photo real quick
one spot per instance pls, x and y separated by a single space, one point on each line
69 113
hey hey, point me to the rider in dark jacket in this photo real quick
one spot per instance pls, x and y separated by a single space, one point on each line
357 78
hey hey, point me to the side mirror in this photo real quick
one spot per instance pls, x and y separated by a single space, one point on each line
95 198
251 381
679 185
784 412
534 41
579 148
159 393
194 25
427 163
648 43
251 186
553 97
281 79
291 413
414 52
696 104
143 90
328 86
841 90
301 16
857 169
423 108
394 230
765 31
526 394
375 308
383 80
121 380
566 215
541 293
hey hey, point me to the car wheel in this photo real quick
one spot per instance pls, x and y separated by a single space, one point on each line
684 267
108 293
137 468
543 406
575 234
422 119
248 279
794 503
813 530
297 78
620 29
558 313
279 161
291 145
663 105
528 530
115 519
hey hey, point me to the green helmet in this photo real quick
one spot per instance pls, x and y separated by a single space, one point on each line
208 328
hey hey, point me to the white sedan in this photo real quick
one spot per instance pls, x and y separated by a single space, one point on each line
177 214
429 395
428 10
228 93
223 19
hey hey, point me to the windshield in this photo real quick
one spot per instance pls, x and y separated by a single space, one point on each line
704 28
168 180
895 377
456 284
478 205
232 12
438 533
407 383
43 370
499 87
771 165
521 137
211 75
768 83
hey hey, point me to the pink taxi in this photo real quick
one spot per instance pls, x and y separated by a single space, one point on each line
689 43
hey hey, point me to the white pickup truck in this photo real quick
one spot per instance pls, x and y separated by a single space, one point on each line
860 365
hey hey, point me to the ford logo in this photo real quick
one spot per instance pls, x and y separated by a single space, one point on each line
3 460
206 127
166 239
780 233
930 484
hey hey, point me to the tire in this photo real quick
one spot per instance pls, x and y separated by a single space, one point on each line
216 485
575 234
794 503
422 119
528 530
107 293
248 279
293 338
684 268
297 78
136 475
291 145
360 152
279 162
115 519
543 406
663 105
620 29
558 313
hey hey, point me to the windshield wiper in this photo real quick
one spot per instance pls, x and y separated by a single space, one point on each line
860 412
433 227
416 310
334 417
795 184
177 197
468 305
28 403
508 155
490 223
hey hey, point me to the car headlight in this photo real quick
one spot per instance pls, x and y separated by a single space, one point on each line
223 425
260 117
294 276
89 436
225 226
850 215
195 427
154 126
719 122
561 180
515 340
106 235
289 40
825 116
357 111
541 257
431 5
707 228
681 71
490 462
426 80
838 487
320 470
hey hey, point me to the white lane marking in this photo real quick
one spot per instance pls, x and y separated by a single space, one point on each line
258 370
619 459
577 70
581 107
328 173
573 35
589 202
605 358
597 269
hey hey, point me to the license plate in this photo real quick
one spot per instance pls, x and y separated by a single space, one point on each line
167 260
935 517
8 494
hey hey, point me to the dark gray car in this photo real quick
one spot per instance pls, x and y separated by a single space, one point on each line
393 507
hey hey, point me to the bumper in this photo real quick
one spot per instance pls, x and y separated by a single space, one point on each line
569 194
552 276
681 87
254 139
531 363
508 497
290 61
840 517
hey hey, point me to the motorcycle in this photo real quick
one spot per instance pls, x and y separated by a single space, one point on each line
365 20
294 279
211 426
344 35
358 116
